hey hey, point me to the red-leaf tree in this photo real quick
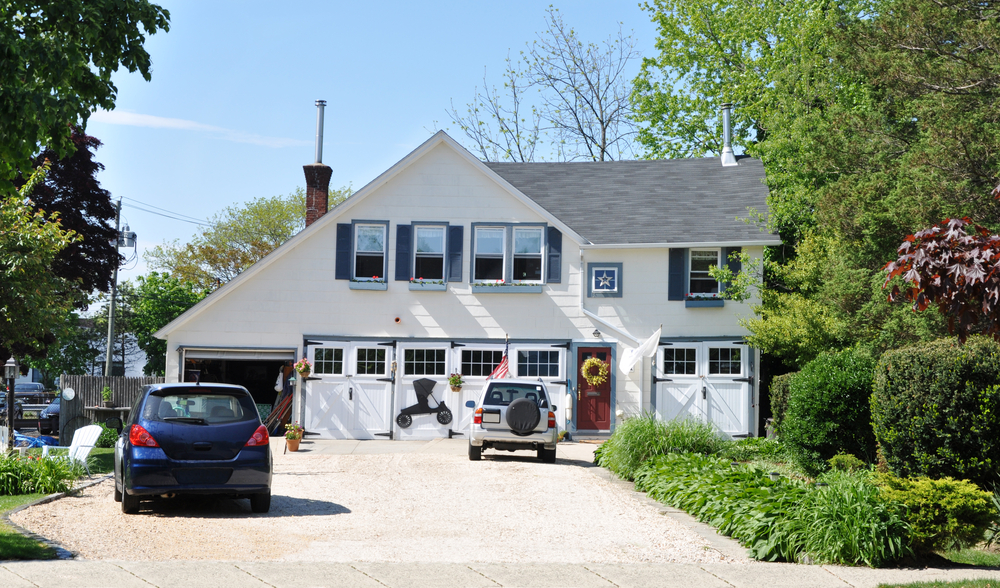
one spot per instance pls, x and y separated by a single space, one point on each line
954 264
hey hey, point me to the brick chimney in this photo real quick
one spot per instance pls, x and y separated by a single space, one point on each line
317 175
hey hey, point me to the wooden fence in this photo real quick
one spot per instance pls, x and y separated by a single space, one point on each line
124 391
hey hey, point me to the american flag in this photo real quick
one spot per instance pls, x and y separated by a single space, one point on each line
501 369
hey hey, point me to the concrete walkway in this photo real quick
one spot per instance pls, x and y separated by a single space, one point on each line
229 574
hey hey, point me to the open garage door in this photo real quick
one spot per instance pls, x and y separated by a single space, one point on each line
254 369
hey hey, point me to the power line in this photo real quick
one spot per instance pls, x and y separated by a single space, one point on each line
167 213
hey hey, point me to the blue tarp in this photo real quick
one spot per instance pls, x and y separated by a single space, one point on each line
26 441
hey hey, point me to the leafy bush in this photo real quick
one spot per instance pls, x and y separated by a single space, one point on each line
943 514
778 395
107 438
935 410
36 475
754 449
640 438
787 520
845 462
829 411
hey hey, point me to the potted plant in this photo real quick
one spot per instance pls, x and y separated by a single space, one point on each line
106 397
293 435
303 367
455 381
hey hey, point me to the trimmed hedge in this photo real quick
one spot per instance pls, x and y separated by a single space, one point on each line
936 410
778 395
829 411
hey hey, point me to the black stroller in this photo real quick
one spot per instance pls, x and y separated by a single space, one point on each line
423 387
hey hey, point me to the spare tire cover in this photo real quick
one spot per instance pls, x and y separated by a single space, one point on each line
523 416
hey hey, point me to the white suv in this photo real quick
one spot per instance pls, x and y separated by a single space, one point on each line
514 415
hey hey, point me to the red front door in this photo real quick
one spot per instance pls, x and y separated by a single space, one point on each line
593 407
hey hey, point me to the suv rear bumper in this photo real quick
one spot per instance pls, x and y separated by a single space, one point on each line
507 440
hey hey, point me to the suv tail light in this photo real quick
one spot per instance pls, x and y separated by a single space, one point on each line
552 420
260 437
140 437
478 418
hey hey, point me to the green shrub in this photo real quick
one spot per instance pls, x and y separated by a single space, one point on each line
107 438
784 520
778 395
754 449
829 411
30 475
936 410
845 462
640 438
942 514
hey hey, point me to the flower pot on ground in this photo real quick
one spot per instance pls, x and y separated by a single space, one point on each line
292 444
293 435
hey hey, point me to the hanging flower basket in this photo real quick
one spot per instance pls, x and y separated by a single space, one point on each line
303 367
595 371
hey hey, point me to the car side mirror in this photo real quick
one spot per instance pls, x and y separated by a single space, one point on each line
470 404
114 423
554 408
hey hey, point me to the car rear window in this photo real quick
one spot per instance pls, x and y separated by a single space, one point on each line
193 405
500 394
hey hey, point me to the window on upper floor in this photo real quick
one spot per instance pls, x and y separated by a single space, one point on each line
369 251
490 251
699 280
428 262
528 243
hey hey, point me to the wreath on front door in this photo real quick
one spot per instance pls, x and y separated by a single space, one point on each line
594 371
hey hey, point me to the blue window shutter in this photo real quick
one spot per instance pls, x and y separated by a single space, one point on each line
734 265
554 273
404 241
345 232
455 236
677 274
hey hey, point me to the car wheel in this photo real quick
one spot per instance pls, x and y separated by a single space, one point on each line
475 453
130 503
444 417
523 416
260 502
118 493
404 420
547 455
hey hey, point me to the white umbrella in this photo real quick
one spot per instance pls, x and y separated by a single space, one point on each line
646 349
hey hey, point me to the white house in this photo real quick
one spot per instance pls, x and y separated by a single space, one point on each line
441 261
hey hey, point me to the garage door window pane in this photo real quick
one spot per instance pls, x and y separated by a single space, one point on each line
724 360
329 361
371 362
477 362
679 361
533 364
423 362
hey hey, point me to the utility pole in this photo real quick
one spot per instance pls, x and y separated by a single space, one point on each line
114 291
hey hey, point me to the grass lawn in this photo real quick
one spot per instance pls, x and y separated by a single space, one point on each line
956 584
14 545
989 558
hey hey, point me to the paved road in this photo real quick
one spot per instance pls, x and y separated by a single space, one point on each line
280 574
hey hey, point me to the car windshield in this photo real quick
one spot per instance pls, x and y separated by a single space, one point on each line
202 406
501 394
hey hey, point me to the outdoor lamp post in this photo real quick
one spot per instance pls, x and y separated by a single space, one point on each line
10 370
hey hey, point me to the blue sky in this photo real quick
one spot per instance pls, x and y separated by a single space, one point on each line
229 115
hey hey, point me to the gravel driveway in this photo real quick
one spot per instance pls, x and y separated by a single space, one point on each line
421 502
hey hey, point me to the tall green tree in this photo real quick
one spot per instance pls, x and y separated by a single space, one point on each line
238 237
74 352
56 62
159 299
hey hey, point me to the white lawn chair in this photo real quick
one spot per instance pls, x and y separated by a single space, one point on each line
84 439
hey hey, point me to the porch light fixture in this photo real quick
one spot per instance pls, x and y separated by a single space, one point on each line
597 334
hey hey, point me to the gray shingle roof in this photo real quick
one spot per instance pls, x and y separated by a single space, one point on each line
657 201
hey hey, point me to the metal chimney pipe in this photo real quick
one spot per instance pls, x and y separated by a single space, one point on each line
728 157
320 104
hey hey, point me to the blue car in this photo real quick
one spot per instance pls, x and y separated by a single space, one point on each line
191 439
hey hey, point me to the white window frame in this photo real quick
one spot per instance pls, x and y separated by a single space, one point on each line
444 362
385 238
718 258
540 255
461 363
442 255
477 254
515 366
344 357
385 361
708 360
